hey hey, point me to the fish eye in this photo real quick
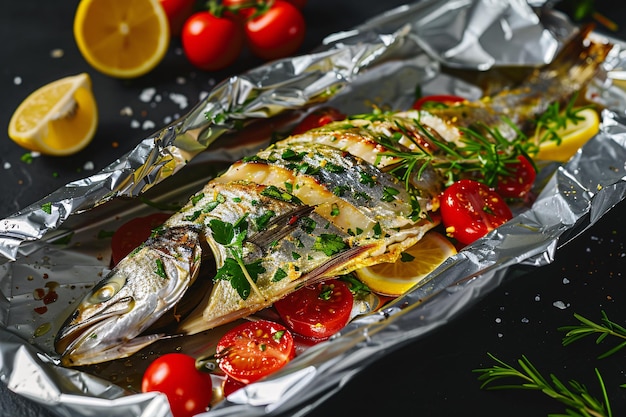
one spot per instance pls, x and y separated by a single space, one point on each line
104 291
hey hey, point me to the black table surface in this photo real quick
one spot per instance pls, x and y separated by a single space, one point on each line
430 377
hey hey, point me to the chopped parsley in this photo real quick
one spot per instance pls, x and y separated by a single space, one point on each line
389 194
329 243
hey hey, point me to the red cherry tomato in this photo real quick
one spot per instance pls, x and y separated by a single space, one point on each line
436 101
519 182
317 311
188 390
276 33
298 3
211 43
133 233
177 12
231 385
470 209
254 349
317 118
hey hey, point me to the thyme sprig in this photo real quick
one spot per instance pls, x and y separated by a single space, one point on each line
554 119
575 396
589 328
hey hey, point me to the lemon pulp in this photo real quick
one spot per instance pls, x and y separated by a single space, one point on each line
122 38
573 136
58 119
396 278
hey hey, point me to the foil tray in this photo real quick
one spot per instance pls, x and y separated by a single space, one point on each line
54 245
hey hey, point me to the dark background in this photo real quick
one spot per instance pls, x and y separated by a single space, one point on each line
429 377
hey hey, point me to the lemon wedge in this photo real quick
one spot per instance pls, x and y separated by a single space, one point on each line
395 279
57 119
122 38
573 136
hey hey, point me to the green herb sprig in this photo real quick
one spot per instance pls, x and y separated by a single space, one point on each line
575 396
242 276
601 330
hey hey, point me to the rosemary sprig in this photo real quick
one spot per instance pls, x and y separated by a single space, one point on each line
576 397
602 330
554 119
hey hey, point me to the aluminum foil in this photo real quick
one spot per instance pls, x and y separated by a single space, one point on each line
51 248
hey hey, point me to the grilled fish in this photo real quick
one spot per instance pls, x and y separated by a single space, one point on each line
312 206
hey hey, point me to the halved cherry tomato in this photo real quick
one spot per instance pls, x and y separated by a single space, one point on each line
470 209
177 12
519 182
231 385
276 33
188 390
317 311
211 43
254 350
317 118
133 233
436 101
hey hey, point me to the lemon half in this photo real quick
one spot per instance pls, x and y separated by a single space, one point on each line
573 136
395 279
122 38
58 119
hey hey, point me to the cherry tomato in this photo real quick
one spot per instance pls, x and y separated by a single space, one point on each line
298 3
317 311
188 390
133 233
177 12
436 101
211 43
276 33
519 182
470 209
317 118
254 349
231 385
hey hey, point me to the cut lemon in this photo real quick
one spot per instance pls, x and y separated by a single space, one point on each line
58 119
573 136
397 278
122 38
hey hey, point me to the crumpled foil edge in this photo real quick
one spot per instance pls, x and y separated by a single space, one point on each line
576 196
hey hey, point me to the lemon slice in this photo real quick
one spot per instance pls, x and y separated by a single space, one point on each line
58 119
573 136
122 38
397 278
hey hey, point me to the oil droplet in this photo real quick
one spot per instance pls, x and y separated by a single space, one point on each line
43 329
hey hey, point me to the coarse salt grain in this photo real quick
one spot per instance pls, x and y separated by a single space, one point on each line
7 165
537 297
560 305
525 320
147 94
148 124
57 53
565 281
17 80
126 111
179 99
89 166
134 124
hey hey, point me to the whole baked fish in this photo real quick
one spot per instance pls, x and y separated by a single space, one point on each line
313 206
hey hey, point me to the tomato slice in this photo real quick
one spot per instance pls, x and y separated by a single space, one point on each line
317 311
317 118
519 182
436 101
254 350
188 390
133 233
470 209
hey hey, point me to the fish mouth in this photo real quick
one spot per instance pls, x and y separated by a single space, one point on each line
76 329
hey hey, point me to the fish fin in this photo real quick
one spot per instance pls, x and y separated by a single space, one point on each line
280 226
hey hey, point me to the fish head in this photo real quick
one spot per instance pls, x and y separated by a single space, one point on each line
109 320
102 324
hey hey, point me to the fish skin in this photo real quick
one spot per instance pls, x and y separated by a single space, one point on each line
118 334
